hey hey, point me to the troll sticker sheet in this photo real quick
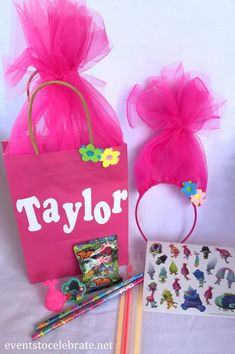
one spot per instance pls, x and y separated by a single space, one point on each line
189 279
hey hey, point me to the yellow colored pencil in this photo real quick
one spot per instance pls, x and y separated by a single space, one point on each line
118 345
137 336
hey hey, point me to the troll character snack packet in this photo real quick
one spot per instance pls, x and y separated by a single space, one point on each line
98 261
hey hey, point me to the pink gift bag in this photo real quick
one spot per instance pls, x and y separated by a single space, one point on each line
60 200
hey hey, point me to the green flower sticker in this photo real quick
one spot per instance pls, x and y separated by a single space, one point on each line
90 153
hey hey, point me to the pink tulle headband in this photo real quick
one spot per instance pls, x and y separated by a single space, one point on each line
176 106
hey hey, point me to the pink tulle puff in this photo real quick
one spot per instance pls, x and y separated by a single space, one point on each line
63 38
176 106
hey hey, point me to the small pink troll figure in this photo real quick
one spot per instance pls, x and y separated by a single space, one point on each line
55 299
176 105
63 38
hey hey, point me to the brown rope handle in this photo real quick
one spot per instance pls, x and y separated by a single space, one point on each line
29 83
30 108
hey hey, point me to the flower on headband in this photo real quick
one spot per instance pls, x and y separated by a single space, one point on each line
90 153
198 198
109 157
189 188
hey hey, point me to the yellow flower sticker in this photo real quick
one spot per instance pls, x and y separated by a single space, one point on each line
198 198
109 157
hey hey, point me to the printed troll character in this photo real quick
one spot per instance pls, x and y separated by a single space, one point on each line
224 254
197 261
208 295
151 271
173 268
163 275
185 271
150 298
199 275
187 252
174 250
211 265
176 286
168 298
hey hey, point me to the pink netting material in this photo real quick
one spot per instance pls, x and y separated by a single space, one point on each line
63 38
176 106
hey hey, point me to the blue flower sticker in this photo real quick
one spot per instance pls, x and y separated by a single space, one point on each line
189 188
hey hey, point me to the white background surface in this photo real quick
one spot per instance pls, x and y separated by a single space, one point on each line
145 35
